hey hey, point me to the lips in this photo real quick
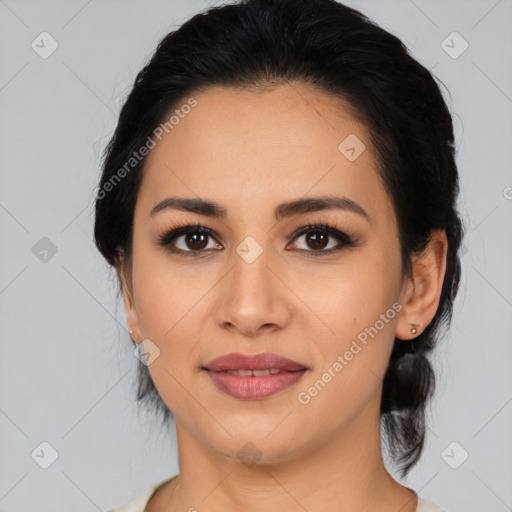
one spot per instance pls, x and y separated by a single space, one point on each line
254 377
263 361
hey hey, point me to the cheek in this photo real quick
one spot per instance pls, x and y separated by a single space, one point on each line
167 305
360 319
350 366
347 298
167 294
359 311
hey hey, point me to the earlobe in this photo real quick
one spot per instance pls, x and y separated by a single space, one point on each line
421 294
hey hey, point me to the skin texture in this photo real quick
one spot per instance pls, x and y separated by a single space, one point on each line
251 150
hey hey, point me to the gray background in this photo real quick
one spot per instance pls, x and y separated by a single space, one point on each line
67 367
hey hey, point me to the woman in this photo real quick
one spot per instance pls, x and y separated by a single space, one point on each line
279 203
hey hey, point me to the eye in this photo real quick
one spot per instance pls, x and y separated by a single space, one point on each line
321 239
189 240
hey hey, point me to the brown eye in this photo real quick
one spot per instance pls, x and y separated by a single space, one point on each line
189 240
317 240
322 239
196 241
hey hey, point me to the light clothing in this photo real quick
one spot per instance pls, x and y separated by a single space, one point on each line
139 503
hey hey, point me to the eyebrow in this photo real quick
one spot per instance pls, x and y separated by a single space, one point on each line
284 210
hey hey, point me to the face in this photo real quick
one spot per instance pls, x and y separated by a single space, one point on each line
258 279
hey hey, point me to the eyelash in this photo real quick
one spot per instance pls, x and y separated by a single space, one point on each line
345 240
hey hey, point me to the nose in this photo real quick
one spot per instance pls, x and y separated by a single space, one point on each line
254 297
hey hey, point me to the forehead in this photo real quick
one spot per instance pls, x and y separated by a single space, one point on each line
270 144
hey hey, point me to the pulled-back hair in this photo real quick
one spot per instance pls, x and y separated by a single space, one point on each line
255 43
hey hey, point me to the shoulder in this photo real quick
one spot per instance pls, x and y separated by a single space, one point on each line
427 506
138 503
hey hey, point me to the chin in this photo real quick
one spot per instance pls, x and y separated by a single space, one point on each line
253 444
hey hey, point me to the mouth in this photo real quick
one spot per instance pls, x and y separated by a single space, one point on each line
254 384
256 373
268 362
254 377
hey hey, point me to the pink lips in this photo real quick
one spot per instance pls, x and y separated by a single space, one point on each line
262 361
254 387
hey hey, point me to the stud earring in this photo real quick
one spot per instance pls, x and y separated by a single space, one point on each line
131 332
414 329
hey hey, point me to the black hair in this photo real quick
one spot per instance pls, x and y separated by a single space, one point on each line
256 43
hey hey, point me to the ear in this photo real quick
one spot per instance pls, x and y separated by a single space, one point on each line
123 268
420 294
